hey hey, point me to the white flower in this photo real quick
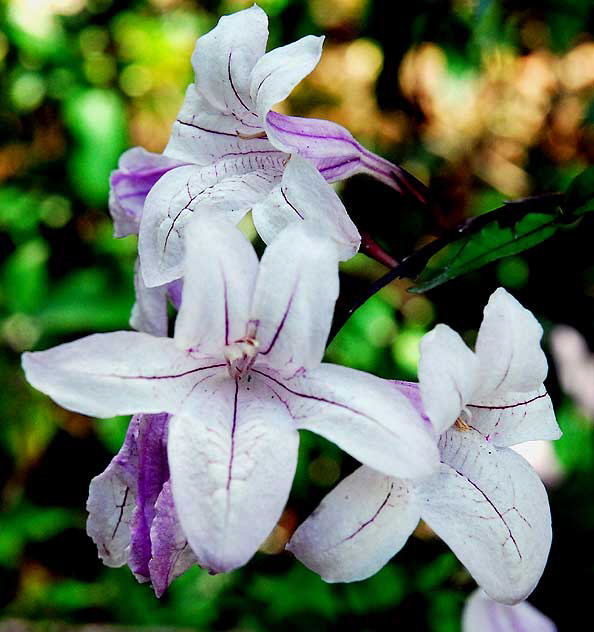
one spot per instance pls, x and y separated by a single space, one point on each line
240 377
485 501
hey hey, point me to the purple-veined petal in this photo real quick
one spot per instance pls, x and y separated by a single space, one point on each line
510 418
364 521
508 348
280 70
153 471
221 270
118 373
149 313
294 299
232 454
447 376
112 499
171 553
304 196
482 614
174 292
491 508
575 366
412 392
225 57
335 152
202 134
229 188
138 170
362 414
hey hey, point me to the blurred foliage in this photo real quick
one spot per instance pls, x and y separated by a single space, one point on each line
481 99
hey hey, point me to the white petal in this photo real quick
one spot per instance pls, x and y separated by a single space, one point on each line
508 348
294 299
224 58
447 376
362 414
202 134
232 458
358 527
491 508
482 614
575 366
511 418
229 189
279 71
149 313
120 373
304 195
112 500
221 269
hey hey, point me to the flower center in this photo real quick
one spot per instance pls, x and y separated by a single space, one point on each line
240 356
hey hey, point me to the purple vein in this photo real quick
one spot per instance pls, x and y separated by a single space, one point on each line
281 324
528 401
225 299
289 203
372 519
233 426
166 377
314 397
490 502
232 84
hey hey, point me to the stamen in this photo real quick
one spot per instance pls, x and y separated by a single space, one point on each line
240 356
461 425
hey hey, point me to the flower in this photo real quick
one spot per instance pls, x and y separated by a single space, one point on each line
482 614
485 501
242 374
575 366
232 151
131 514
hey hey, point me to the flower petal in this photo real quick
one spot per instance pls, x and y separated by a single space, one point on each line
511 418
112 499
229 188
138 170
362 414
486 615
149 313
447 376
364 521
117 374
171 554
304 195
335 152
232 454
294 299
202 134
508 348
491 508
575 366
221 270
224 58
153 471
280 70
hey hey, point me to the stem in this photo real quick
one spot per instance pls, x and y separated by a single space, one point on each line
372 249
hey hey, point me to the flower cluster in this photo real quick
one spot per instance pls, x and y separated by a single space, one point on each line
211 451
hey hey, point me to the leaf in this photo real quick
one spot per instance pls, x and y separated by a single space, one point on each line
579 198
490 243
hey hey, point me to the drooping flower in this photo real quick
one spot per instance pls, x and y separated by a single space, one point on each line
482 614
131 515
240 377
485 501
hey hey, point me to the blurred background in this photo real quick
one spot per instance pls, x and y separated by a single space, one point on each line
484 100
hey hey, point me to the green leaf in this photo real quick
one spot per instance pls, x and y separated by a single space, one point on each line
579 198
491 242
